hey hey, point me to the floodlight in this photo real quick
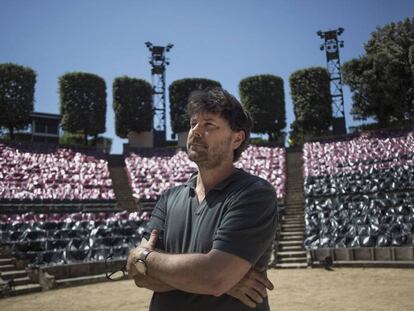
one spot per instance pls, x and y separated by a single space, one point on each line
320 33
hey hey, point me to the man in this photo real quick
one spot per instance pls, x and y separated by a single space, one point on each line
209 240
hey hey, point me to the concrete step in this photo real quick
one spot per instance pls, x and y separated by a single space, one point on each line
291 265
22 281
295 248
7 261
13 274
291 238
293 222
290 207
293 218
295 205
291 233
293 226
293 230
292 213
291 254
292 259
294 209
299 219
9 267
299 204
25 289
291 243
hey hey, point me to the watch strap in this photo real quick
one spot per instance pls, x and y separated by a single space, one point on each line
143 255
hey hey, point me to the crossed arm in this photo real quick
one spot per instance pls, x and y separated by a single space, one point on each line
200 273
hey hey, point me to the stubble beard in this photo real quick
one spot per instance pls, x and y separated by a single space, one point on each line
210 159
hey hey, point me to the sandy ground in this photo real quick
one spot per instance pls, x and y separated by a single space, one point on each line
307 289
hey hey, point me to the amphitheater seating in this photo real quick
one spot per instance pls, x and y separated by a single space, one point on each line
150 176
50 173
360 192
50 239
268 163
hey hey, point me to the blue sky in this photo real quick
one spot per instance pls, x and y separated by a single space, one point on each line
217 39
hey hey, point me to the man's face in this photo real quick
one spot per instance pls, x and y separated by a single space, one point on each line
210 140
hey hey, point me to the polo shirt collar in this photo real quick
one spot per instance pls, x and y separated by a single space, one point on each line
192 181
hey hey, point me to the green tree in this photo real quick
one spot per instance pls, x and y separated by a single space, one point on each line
17 87
83 104
411 58
382 79
179 91
264 97
132 103
311 98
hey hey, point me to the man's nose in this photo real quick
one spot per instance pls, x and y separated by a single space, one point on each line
196 130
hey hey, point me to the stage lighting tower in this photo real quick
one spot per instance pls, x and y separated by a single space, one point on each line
331 45
158 62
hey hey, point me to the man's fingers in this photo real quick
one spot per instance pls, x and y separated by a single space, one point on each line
258 287
253 295
153 238
263 279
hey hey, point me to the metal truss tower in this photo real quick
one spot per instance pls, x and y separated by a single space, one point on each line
159 62
331 45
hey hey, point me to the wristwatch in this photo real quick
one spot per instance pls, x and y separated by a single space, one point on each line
141 263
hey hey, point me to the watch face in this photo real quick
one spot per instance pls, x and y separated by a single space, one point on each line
141 267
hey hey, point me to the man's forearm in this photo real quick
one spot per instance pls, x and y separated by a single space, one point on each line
187 272
193 273
198 273
150 283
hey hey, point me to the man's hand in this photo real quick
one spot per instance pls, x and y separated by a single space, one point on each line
252 288
145 280
134 254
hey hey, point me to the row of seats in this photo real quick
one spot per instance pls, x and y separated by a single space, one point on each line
72 218
360 192
71 237
53 174
58 257
369 181
150 176
268 163
360 220
378 151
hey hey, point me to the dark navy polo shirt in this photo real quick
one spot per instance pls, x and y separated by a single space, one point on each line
238 216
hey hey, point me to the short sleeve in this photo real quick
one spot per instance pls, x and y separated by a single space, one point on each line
157 221
249 224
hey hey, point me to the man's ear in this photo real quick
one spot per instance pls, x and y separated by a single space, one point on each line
238 139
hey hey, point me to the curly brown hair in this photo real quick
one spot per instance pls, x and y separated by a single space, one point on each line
218 101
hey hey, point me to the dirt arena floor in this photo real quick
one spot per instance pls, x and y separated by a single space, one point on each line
307 289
